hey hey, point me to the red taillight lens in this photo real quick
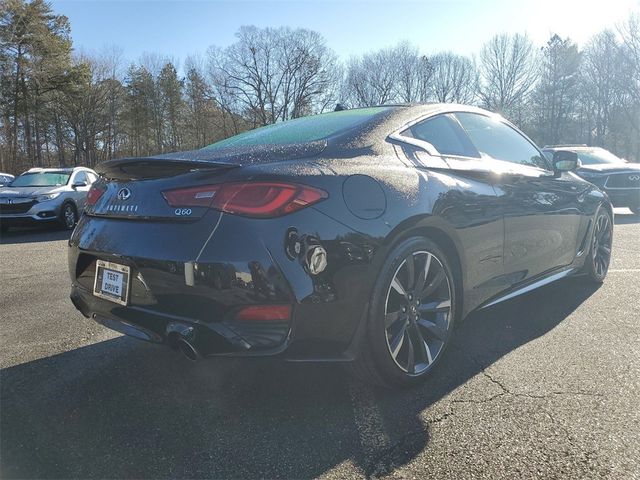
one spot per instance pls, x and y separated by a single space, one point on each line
191 197
253 199
94 194
264 312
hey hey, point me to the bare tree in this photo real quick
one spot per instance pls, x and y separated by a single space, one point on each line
508 69
371 79
599 89
273 74
413 73
454 78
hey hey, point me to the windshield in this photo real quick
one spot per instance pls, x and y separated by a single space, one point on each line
301 130
41 179
597 156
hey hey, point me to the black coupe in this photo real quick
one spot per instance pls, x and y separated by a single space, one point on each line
359 236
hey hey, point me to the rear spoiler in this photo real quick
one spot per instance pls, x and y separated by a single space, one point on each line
150 168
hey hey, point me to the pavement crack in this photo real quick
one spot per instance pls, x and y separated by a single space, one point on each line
506 391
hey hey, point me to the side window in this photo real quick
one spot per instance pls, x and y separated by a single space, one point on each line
81 177
498 140
445 135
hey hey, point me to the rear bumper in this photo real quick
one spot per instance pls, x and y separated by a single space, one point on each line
209 338
181 281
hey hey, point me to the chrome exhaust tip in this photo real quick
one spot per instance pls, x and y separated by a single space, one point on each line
188 350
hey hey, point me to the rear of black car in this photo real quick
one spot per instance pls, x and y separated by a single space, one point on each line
223 249
164 262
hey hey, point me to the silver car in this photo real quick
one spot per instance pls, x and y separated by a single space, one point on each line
45 195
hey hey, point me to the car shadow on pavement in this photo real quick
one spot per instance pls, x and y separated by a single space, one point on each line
33 235
126 409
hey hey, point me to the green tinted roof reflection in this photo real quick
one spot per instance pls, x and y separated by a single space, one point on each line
302 130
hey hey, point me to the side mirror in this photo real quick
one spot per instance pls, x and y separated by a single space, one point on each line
79 185
565 161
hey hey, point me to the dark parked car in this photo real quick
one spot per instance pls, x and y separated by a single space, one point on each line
45 195
619 178
6 179
359 236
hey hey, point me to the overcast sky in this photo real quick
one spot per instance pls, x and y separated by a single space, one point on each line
181 28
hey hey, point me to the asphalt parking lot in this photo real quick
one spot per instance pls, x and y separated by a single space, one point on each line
546 385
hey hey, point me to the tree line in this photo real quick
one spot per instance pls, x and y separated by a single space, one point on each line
60 107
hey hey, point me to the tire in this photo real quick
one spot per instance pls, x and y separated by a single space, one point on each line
391 352
4 228
598 258
68 216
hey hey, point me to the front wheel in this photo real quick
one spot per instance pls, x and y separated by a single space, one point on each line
413 308
599 256
68 216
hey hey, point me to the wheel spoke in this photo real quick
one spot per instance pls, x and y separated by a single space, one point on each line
397 342
411 271
393 317
432 285
397 286
420 344
432 329
411 358
434 307
602 233
423 275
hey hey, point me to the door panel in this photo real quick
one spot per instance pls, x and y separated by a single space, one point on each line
543 217
542 212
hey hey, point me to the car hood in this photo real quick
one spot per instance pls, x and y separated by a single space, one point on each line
28 191
610 168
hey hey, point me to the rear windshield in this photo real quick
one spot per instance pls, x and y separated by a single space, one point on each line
41 179
301 130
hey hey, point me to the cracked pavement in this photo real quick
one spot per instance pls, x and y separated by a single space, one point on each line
543 386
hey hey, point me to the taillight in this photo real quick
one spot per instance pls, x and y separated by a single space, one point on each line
252 199
94 194
264 312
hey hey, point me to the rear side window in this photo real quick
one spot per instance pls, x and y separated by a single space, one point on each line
302 130
496 139
444 133
81 177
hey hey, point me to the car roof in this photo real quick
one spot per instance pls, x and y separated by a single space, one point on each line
58 170
369 136
568 147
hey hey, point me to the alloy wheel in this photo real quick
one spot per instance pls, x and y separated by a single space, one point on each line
601 247
418 312
69 216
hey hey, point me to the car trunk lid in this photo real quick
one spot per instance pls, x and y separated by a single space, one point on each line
133 187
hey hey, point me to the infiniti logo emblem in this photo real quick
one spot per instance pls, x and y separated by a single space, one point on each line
124 194
634 178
